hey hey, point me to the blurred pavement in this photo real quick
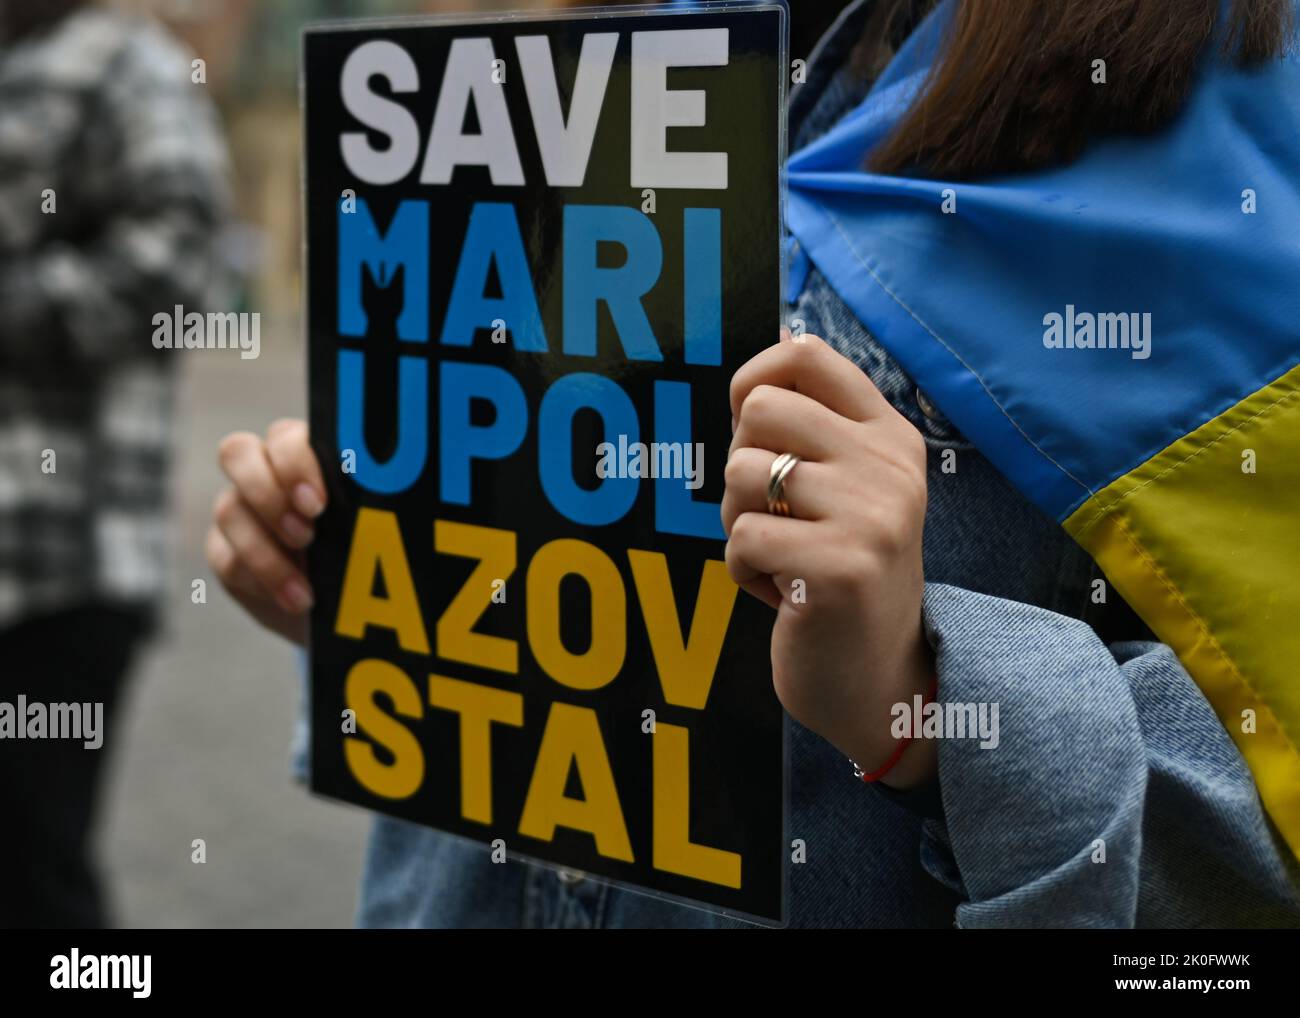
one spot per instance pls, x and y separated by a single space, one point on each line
203 748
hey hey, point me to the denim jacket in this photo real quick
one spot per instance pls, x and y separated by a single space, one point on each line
1115 797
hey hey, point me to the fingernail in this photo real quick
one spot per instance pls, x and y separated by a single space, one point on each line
297 530
307 500
296 596
786 335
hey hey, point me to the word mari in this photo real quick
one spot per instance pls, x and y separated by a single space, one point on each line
921 720
1086 331
102 972
84 721
675 460
182 330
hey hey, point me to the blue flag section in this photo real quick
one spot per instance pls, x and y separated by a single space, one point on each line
537 250
1120 336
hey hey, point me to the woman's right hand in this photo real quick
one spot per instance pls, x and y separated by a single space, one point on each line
263 521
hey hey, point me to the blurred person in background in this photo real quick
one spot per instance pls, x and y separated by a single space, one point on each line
113 184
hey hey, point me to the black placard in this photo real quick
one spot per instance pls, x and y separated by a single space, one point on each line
521 635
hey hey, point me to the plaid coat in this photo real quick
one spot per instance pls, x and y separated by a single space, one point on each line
112 186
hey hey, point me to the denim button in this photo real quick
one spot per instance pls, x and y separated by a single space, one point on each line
571 877
927 408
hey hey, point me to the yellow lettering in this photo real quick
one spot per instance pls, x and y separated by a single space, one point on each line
686 666
478 706
572 739
673 849
376 546
401 778
604 658
495 550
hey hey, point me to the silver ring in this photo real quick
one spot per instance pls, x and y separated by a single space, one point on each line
781 467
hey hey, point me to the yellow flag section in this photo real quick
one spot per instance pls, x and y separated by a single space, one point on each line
1202 541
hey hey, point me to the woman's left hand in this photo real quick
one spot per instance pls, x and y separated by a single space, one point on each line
844 570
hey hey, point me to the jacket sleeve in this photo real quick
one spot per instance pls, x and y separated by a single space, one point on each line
151 191
1110 794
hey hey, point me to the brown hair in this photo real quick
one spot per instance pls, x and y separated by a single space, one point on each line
21 19
1013 86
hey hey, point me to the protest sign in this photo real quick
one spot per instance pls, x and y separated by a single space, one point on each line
537 250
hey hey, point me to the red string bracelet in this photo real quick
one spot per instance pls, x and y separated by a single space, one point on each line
903 743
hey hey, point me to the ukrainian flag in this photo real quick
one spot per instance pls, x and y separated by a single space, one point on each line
1121 337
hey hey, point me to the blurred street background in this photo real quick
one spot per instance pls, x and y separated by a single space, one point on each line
203 750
